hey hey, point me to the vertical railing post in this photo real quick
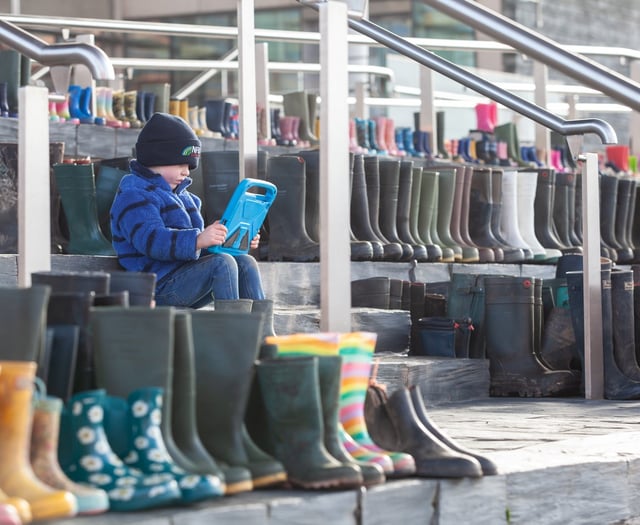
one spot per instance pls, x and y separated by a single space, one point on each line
335 252
247 92
263 88
543 139
427 107
634 124
34 226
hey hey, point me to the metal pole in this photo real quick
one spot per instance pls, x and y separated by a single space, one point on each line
247 98
543 140
34 227
592 293
335 249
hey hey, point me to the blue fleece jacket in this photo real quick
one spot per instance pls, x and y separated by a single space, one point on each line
154 229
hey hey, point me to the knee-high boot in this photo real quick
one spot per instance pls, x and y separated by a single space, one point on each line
77 187
403 224
389 171
226 346
514 367
359 211
220 176
288 236
480 200
427 214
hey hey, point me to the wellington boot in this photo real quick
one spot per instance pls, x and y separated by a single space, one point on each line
9 211
291 393
616 384
564 209
371 292
427 214
414 213
403 216
480 204
446 190
327 344
394 423
17 478
296 104
87 458
511 253
288 238
139 285
179 431
466 298
389 171
489 468
132 427
311 160
44 457
392 251
433 182
356 350
359 211
624 342
608 206
130 99
510 338
527 183
485 254
329 371
59 239
10 74
626 188
224 368
220 177
509 227
77 188
264 307
23 325
107 181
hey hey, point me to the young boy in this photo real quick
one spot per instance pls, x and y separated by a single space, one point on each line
157 226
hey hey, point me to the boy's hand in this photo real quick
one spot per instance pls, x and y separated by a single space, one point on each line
213 235
255 242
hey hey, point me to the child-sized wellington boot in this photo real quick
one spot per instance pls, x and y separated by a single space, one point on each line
17 478
44 457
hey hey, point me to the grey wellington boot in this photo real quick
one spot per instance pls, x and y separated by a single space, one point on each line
220 177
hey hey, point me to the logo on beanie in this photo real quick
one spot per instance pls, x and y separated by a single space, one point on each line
191 151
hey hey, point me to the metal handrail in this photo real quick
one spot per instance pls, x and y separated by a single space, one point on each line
543 49
565 127
66 53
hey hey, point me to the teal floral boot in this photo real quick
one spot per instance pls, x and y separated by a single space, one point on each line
91 460
133 428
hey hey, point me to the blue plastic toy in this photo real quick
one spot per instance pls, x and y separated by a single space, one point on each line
244 215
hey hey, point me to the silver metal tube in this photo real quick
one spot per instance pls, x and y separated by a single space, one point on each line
576 127
57 54
543 49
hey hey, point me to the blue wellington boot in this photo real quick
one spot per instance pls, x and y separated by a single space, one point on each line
133 429
86 457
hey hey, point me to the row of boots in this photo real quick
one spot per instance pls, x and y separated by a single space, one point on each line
184 406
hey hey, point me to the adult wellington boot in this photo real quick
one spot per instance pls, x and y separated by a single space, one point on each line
288 237
480 202
460 217
545 228
389 171
432 180
392 250
107 182
220 177
403 216
626 195
608 206
433 458
119 337
509 227
291 393
446 195
485 254
616 384
511 253
59 238
624 342
489 468
564 209
17 478
465 298
514 367
427 214
226 346
77 187
296 104
360 213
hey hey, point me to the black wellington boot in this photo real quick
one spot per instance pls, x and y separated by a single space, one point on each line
564 209
514 367
371 292
295 428
622 309
359 212
635 268
485 254
329 369
59 239
616 384
107 181
466 296
480 201
141 286
402 429
220 176
389 186
226 346
288 237
608 207
403 216
489 468
392 251
77 188
626 187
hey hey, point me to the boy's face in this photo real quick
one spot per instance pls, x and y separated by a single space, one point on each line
173 174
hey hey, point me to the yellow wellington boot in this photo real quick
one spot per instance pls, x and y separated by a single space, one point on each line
17 478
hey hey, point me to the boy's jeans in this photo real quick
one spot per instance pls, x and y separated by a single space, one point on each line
214 276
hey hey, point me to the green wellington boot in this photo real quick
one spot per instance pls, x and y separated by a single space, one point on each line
226 346
120 336
77 187
291 393
107 181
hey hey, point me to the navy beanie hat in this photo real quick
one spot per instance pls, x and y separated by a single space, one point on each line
167 140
